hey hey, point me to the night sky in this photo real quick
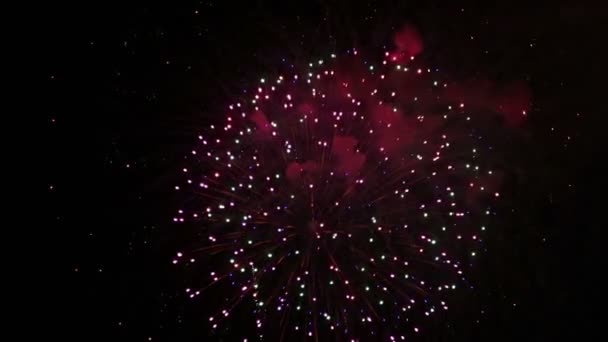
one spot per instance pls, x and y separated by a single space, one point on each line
128 88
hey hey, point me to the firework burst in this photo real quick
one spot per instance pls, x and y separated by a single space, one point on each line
347 198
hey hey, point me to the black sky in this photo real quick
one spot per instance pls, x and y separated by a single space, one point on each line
127 85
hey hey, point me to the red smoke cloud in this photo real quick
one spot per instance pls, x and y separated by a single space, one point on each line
512 100
408 43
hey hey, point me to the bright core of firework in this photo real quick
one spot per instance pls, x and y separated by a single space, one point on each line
346 199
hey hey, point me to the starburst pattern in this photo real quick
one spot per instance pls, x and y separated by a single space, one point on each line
346 198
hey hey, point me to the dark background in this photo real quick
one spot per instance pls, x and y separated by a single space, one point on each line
126 85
